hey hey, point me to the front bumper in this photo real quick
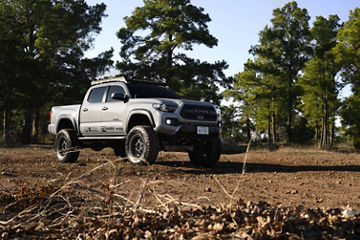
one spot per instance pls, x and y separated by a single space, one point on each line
193 129
183 126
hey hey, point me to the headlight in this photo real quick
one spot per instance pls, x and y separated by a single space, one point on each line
218 110
165 107
219 118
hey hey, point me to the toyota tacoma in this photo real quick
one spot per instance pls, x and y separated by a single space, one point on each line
137 119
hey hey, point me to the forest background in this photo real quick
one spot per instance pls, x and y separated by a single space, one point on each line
288 90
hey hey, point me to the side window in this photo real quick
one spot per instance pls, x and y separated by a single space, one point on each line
96 95
114 89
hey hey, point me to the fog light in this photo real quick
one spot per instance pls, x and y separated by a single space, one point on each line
172 121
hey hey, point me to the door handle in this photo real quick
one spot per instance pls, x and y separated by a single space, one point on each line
85 109
104 108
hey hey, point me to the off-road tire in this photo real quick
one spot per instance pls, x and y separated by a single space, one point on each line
65 144
119 149
142 145
206 153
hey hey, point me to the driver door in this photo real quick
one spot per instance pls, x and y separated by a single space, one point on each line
112 114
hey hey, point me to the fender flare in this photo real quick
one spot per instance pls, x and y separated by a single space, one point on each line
66 118
145 112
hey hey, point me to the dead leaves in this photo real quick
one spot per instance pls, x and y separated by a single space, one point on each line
69 214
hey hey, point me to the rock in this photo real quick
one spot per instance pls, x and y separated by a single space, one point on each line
156 178
208 189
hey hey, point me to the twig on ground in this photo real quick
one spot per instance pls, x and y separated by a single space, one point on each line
222 188
141 193
19 215
159 200
246 156
173 200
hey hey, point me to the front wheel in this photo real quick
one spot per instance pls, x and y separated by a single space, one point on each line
206 153
65 145
119 149
142 145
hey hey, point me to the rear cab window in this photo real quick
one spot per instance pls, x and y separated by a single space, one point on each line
114 89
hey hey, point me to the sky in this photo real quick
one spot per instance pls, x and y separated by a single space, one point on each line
235 23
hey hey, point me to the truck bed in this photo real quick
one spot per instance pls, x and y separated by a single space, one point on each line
60 112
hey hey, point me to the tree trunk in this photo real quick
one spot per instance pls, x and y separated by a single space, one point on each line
317 135
332 138
36 126
27 127
169 59
274 137
269 126
289 119
326 126
248 129
289 108
322 133
7 126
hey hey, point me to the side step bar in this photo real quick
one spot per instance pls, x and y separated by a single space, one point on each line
103 138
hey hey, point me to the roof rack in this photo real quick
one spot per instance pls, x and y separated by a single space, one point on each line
112 79
148 82
122 79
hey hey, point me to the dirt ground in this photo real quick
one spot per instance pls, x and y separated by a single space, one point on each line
286 194
287 177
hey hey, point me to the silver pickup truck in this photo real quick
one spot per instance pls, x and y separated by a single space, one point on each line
137 119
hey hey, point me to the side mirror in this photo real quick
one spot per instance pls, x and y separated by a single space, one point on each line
118 96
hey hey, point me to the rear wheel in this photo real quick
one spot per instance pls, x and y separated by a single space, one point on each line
206 153
65 145
142 145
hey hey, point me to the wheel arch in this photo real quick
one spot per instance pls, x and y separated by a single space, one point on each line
64 123
139 117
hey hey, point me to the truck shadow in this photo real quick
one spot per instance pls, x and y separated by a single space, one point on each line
233 167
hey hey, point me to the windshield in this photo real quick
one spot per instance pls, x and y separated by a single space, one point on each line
143 90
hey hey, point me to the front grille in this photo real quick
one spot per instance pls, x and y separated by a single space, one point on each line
201 113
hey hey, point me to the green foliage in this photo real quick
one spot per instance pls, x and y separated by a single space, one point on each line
302 133
285 47
320 88
269 81
155 40
347 53
236 128
347 50
350 113
43 58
